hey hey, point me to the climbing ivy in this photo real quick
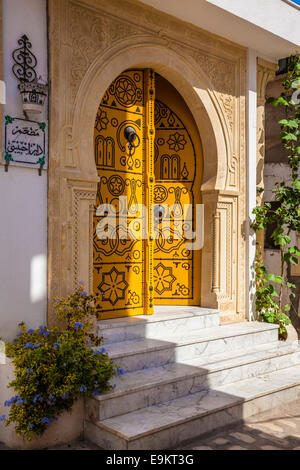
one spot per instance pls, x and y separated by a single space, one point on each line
286 218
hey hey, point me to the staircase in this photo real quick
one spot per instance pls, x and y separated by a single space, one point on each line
187 376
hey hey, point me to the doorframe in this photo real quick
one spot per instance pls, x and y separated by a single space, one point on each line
73 177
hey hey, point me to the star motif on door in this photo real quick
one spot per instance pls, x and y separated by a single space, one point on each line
113 286
125 90
163 278
101 120
176 142
116 185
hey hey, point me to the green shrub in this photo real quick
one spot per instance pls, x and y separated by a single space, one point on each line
55 367
267 308
285 220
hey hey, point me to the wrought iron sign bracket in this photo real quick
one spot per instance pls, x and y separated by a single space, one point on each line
32 90
26 139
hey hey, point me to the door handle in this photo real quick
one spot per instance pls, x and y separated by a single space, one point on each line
131 136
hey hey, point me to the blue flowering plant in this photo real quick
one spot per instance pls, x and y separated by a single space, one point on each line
78 311
55 367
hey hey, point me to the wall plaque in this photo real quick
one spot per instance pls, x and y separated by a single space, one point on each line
25 143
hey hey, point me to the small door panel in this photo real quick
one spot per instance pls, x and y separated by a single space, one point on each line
178 172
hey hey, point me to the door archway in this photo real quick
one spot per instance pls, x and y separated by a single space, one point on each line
73 176
149 161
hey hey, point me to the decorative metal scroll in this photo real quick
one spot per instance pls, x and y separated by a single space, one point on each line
25 61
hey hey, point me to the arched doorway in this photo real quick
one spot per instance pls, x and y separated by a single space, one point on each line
149 160
73 178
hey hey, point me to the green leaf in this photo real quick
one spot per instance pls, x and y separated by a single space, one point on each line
279 279
275 278
280 101
290 285
288 136
270 99
292 123
281 240
297 184
274 293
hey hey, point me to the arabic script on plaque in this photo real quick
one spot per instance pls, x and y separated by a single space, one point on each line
25 141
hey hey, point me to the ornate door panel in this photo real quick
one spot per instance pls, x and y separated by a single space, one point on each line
119 258
178 171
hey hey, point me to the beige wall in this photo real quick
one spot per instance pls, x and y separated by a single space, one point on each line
92 42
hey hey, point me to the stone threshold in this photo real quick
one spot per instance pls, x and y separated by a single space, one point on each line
161 313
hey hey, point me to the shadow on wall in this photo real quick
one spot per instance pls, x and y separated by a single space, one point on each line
295 310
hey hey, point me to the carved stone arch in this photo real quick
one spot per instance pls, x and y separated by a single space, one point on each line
193 85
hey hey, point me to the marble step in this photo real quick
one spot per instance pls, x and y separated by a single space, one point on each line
148 387
165 321
146 353
171 424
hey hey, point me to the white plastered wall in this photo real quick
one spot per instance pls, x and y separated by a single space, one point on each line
23 193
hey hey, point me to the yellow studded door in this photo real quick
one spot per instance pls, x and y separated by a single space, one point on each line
119 250
146 149
178 173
